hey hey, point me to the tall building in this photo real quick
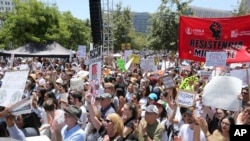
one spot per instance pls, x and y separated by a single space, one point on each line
208 12
140 21
6 5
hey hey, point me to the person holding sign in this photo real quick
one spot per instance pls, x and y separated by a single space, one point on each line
4 112
194 129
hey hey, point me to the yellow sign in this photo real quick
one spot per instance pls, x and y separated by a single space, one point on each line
136 58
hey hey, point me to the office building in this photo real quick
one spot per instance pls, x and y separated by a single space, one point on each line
140 21
202 12
6 5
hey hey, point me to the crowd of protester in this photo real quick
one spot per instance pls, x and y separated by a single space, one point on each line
130 106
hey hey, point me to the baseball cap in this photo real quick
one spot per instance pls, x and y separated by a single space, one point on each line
152 96
152 109
106 96
161 103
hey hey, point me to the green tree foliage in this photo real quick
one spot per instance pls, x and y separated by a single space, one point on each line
165 23
122 26
34 21
138 40
80 31
241 9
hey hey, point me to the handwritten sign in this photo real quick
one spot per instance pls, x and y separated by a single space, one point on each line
216 58
185 99
168 82
13 86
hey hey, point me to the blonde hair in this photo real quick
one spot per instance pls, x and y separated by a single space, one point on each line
117 122
108 84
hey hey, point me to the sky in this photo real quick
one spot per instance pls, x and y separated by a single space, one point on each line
80 8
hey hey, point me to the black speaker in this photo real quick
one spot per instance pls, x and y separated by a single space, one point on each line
96 21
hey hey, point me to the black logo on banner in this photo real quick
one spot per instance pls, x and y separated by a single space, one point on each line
215 28
239 132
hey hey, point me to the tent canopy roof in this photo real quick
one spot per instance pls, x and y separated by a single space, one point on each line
43 50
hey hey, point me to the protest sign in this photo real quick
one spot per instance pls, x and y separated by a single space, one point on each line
148 65
168 81
127 53
242 75
12 87
21 107
95 53
216 58
121 64
81 52
95 71
136 58
185 99
223 92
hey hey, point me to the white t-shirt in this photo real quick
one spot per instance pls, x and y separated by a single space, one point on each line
83 117
187 134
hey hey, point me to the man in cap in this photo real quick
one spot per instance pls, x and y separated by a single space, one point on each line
110 88
75 98
193 127
72 130
149 128
151 100
106 107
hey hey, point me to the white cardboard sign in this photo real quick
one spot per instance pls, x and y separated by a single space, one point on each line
185 99
223 92
216 58
168 82
12 88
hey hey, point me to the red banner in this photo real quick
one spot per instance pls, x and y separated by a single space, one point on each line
200 35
